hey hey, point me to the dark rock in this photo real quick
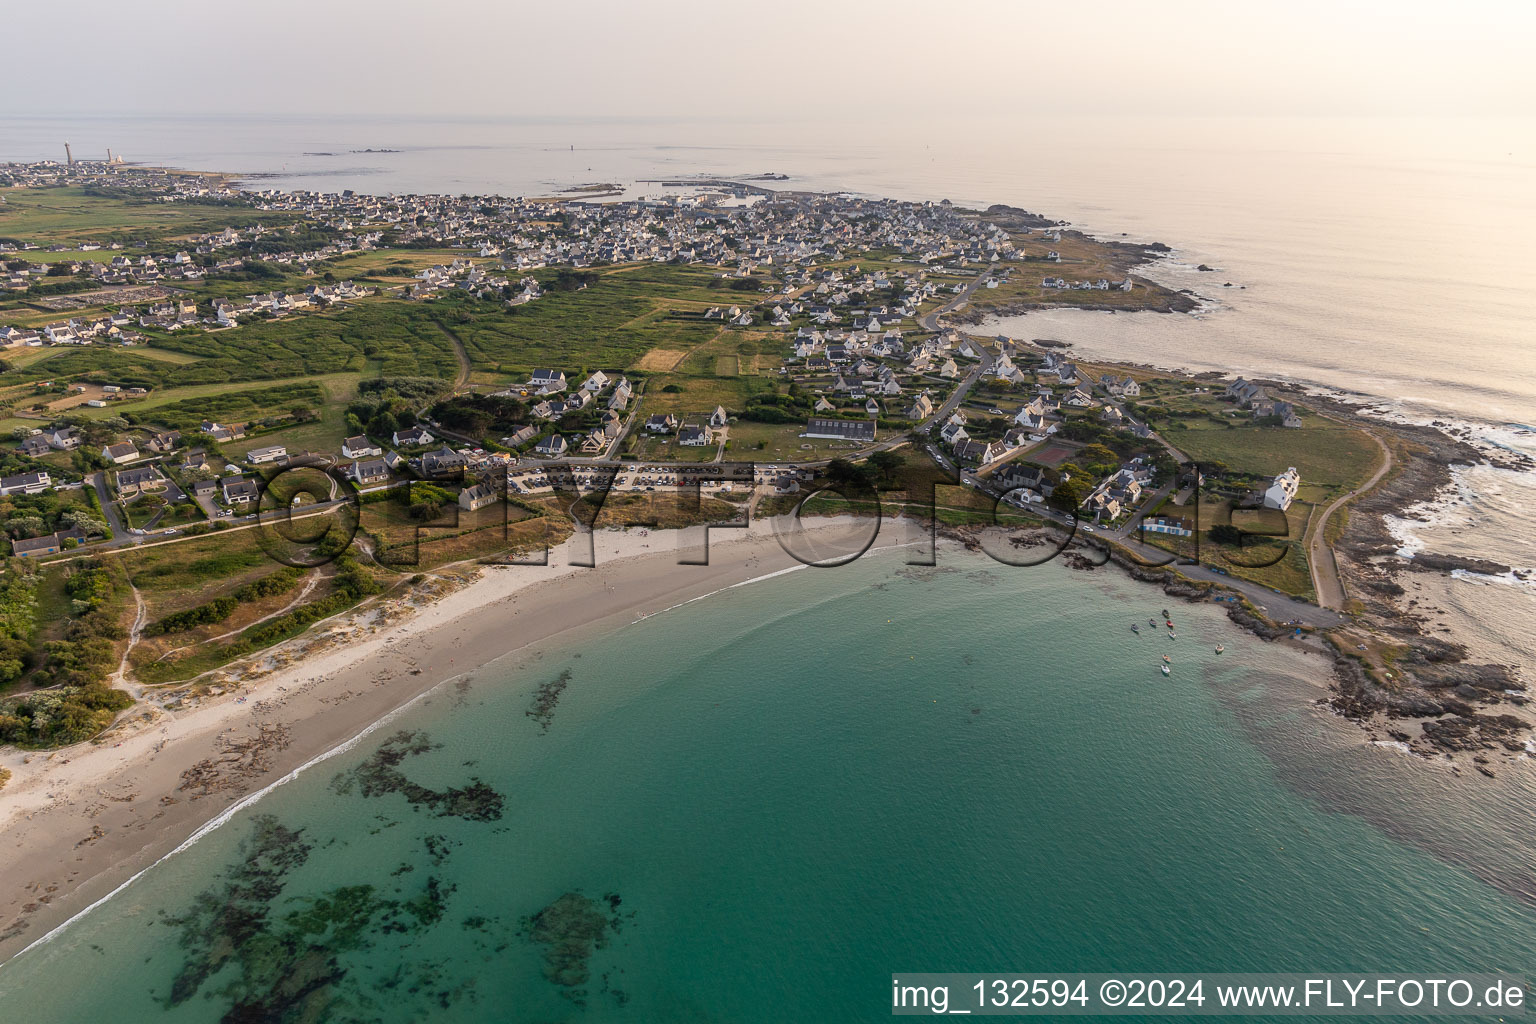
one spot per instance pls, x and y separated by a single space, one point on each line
1450 563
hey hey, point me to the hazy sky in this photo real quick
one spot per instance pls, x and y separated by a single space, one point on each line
883 60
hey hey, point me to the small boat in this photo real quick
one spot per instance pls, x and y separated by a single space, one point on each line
1219 648
1151 622
1172 635
1167 660
1166 670
1169 623
1135 628
1166 615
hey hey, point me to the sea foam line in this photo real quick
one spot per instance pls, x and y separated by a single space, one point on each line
229 812
712 593
768 576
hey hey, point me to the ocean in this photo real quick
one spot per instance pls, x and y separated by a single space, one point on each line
758 806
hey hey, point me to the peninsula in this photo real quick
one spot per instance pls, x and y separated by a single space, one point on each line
258 434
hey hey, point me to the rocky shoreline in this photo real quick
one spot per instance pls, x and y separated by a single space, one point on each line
1134 254
1460 704
1174 302
1462 707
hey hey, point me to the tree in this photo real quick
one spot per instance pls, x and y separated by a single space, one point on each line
841 472
1068 495
1096 453
80 519
1226 533
24 526
383 424
887 465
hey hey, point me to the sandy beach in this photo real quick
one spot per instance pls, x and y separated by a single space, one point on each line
80 822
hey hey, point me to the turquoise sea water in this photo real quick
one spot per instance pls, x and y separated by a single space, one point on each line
758 806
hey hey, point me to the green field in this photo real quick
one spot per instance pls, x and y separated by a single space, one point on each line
1326 455
610 324
75 214
1290 574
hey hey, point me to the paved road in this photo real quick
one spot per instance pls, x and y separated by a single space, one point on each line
120 535
1320 557
1279 607
1129 526
930 321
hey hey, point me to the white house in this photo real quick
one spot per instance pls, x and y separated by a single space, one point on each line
596 382
413 436
552 446
547 381
25 483
1282 490
1170 525
257 456
360 447
123 451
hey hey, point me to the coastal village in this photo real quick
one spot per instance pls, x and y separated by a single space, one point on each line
851 351
437 380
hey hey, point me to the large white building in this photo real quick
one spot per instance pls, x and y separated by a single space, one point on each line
1282 490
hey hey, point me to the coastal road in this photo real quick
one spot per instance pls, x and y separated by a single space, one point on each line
1279 607
930 321
1320 557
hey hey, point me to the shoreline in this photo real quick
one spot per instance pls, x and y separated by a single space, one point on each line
82 822
1461 703
93 822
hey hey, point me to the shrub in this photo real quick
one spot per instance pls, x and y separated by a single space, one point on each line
49 718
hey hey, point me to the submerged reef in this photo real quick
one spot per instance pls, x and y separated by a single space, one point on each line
380 775
546 698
